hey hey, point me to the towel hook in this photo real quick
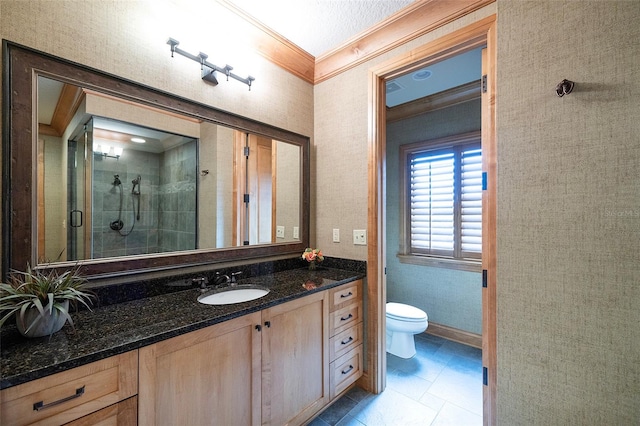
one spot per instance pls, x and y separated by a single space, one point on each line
564 87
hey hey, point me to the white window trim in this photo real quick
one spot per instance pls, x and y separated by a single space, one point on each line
404 255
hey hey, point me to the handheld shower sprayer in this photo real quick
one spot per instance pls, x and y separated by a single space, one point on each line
118 224
134 191
136 183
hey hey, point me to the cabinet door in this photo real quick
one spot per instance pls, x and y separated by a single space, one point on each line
206 377
295 360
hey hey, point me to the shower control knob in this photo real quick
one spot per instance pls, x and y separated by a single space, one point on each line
116 225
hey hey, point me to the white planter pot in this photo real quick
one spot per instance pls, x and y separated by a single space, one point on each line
46 325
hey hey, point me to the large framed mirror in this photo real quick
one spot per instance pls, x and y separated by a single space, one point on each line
121 178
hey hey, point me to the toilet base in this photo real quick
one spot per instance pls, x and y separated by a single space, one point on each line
401 344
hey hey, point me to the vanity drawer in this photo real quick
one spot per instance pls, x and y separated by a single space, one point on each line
345 341
345 370
71 394
344 295
344 318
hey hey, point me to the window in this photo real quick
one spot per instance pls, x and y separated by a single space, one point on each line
442 202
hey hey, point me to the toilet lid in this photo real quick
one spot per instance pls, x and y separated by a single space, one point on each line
404 312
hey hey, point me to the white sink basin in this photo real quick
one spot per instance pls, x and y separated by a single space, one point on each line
230 295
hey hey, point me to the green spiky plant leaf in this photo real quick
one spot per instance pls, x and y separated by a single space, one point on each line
44 290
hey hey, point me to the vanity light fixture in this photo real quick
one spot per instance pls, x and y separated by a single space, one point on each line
208 69
138 140
109 152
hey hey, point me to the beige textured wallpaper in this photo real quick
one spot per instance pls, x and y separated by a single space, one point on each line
341 148
568 189
568 213
128 39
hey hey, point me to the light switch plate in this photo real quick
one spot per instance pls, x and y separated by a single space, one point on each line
336 235
279 231
296 232
360 237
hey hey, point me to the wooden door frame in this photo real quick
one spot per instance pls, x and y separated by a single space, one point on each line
478 34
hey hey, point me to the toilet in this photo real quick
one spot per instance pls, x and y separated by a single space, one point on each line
403 321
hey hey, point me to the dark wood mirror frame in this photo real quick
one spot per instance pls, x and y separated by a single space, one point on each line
20 66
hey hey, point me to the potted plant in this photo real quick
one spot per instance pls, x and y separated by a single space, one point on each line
40 300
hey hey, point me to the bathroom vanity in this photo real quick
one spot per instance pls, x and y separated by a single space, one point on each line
169 359
162 356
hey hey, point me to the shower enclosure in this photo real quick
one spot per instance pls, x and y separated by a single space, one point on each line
127 198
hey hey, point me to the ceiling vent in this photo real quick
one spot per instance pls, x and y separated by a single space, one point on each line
393 86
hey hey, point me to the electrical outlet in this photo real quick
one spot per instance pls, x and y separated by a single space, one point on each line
279 231
296 232
336 235
360 237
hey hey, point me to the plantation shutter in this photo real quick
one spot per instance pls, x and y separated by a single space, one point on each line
445 197
432 202
471 203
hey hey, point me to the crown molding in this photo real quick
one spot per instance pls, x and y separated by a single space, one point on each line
407 24
274 47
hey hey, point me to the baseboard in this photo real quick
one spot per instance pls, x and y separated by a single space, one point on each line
457 335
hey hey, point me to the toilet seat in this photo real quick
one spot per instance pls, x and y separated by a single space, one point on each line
407 313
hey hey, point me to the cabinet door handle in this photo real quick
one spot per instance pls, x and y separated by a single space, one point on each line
348 369
349 340
40 405
348 317
267 324
346 295
258 327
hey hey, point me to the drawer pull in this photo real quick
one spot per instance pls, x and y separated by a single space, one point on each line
349 340
348 369
346 295
41 405
348 317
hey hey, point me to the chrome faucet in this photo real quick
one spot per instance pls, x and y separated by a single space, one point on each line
221 279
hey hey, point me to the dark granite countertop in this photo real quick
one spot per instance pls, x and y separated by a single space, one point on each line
118 328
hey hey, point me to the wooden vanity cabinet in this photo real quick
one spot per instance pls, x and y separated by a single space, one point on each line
346 331
269 368
91 391
295 360
280 366
205 377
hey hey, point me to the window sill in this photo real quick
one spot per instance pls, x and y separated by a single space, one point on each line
441 262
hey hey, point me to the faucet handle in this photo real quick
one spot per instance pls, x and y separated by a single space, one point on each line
233 276
202 281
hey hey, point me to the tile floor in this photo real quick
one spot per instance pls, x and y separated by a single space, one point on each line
441 385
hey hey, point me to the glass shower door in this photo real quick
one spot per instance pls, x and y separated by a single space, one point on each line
78 195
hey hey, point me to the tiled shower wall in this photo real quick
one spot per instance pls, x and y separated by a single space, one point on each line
167 202
177 199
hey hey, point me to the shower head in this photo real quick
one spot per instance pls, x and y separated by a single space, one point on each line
137 180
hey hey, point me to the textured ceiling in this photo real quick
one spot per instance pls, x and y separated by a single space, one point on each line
319 26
